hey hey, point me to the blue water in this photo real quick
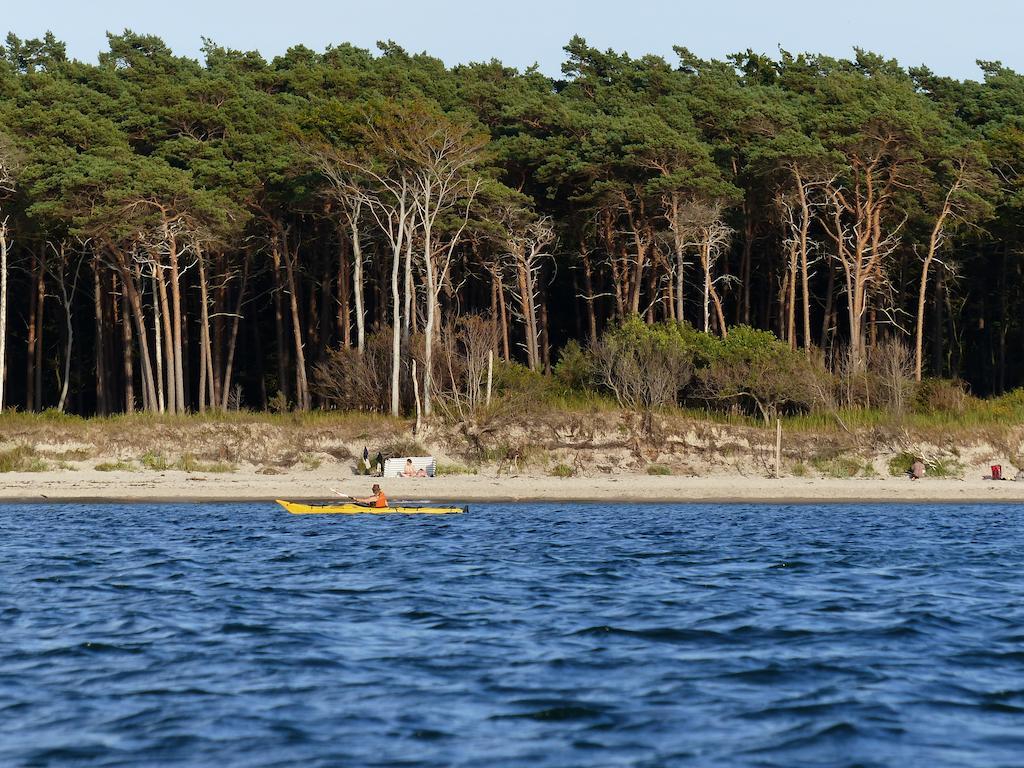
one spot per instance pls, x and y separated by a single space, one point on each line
536 635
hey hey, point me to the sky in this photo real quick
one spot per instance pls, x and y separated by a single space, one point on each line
947 35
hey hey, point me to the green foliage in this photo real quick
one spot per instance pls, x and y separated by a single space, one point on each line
900 463
941 396
402 447
21 458
562 470
753 366
453 469
187 462
843 467
646 366
116 466
575 369
154 461
658 469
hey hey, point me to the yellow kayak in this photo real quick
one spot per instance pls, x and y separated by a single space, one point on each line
358 509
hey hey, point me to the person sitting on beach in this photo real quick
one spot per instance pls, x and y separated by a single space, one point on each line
916 470
377 500
411 471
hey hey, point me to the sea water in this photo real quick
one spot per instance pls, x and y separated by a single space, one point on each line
515 635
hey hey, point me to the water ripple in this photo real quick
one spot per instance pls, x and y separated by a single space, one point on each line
548 635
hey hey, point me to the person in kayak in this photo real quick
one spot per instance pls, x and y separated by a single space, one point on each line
377 500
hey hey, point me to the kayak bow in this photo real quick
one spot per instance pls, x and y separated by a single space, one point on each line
358 509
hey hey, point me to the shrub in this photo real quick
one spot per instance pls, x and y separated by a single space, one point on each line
454 469
844 466
658 469
891 368
562 470
347 380
115 466
900 463
644 366
403 447
154 461
755 367
575 369
941 396
515 380
21 458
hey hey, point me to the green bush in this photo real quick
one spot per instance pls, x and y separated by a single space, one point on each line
116 466
843 466
658 469
21 458
941 396
751 366
575 370
154 461
454 469
900 463
645 366
562 470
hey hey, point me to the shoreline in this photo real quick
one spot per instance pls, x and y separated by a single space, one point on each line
181 487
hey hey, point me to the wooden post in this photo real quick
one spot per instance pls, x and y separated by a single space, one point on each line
778 447
490 373
416 394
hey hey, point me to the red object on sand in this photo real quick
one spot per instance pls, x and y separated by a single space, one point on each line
997 471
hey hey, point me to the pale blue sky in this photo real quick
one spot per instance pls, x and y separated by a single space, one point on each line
947 35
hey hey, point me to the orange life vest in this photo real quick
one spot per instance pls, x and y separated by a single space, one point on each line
381 499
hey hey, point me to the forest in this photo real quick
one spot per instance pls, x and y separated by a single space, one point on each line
357 229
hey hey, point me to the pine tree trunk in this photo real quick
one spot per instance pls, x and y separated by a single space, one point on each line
102 407
30 356
171 401
282 352
177 348
343 320
301 382
3 310
126 351
233 338
207 392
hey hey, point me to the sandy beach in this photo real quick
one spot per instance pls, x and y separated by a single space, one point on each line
92 485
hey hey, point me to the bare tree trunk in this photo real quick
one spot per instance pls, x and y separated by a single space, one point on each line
545 343
934 241
158 343
175 317
30 386
37 376
207 392
357 283
396 330
3 308
126 351
588 286
282 353
100 339
302 383
168 340
135 301
805 225
344 322
409 295
503 315
233 338
529 316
